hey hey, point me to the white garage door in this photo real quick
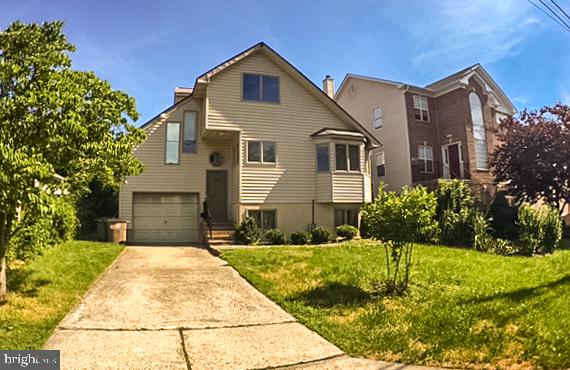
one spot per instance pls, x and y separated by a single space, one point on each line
165 218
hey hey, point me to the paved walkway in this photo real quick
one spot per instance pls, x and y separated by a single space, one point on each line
181 308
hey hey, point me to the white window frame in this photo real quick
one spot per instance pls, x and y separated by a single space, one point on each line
328 156
472 106
261 145
380 161
421 103
377 114
195 131
166 141
347 151
423 149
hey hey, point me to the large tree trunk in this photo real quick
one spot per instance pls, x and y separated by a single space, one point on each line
3 288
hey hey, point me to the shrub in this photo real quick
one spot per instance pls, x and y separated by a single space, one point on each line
300 238
348 232
399 220
503 218
35 234
275 237
320 235
247 232
552 229
454 195
455 203
456 228
530 230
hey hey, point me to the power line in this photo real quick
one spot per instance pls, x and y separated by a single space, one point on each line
549 16
559 8
555 14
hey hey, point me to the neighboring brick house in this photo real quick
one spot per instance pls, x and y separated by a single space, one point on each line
442 130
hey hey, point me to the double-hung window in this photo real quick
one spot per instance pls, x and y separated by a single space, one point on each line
380 164
421 109
261 152
347 157
377 114
425 155
265 219
260 88
322 157
189 144
172 150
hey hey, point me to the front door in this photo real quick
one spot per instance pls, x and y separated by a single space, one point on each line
217 193
454 161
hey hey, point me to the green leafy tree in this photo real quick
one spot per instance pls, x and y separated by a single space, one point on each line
400 220
55 123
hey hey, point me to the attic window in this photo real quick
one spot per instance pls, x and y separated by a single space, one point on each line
260 88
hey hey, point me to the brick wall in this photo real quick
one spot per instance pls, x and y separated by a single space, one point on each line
450 121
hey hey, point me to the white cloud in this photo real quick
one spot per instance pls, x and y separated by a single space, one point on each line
455 33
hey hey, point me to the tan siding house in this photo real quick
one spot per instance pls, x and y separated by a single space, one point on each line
253 151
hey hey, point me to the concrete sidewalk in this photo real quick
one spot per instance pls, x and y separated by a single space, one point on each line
181 308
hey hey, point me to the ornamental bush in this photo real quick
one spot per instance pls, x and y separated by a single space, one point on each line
552 230
320 235
247 232
300 238
399 220
348 232
275 237
455 203
530 230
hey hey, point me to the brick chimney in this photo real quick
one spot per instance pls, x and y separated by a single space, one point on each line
328 86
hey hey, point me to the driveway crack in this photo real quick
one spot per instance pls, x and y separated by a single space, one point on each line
183 343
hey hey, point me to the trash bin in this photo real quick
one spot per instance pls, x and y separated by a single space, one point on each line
117 230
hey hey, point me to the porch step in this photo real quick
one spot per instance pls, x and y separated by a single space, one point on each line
222 233
222 225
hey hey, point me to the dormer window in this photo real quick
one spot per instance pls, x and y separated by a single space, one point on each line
260 88
421 109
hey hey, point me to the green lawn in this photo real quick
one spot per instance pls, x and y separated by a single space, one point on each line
465 308
44 290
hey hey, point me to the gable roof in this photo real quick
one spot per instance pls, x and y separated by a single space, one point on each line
202 81
446 84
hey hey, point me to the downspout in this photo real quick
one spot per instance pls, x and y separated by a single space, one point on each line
406 88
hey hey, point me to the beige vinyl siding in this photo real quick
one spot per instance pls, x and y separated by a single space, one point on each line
394 132
347 187
295 216
288 123
187 177
324 187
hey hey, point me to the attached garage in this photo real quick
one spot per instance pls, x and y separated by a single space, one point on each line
165 218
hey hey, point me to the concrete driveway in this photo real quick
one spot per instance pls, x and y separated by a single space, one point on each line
181 308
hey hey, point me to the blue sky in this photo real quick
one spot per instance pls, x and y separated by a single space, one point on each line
146 48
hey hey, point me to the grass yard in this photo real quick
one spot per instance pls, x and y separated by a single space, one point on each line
44 290
465 309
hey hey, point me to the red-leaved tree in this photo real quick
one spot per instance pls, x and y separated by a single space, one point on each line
534 156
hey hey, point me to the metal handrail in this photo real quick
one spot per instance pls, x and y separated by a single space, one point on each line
208 217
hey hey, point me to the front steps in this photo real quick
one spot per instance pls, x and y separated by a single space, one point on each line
222 233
